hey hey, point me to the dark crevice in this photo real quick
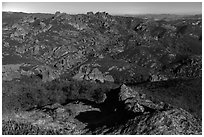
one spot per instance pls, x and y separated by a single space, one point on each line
112 113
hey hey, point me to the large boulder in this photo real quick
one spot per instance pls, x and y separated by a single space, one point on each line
136 101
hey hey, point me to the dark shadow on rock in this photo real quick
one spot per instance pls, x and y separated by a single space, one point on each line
112 112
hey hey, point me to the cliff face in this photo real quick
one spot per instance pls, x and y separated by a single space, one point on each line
146 65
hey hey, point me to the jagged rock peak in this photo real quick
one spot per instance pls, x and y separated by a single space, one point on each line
90 13
57 13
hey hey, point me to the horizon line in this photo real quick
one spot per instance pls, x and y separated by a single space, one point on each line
180 14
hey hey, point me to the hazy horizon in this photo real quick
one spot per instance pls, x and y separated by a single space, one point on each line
107 12
114 8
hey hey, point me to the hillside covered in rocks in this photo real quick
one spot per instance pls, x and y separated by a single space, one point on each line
96 73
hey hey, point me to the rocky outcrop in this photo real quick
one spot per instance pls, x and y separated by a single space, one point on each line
151 117
47 73
136 101
67 41
170 122
56 117
85 73
124 111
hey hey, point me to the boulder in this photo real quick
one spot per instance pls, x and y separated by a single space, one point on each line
136 101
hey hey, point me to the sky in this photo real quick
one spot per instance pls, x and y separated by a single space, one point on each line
115 8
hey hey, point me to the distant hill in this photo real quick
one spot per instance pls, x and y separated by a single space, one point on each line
12 17
164 16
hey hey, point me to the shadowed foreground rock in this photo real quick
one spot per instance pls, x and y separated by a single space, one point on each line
170 122
152 117
125 111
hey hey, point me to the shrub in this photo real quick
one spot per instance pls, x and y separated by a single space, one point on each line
25 96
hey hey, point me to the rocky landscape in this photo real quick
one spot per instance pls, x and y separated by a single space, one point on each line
96 73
